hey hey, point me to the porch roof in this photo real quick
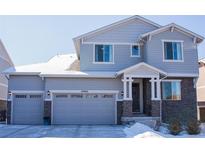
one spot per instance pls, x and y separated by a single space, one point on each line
141 68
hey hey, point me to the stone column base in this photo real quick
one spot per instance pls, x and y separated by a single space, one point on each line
155 108
127 108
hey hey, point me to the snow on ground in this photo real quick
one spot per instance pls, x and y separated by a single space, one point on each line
139 130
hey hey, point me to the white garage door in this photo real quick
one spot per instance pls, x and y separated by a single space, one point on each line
84 109
28 109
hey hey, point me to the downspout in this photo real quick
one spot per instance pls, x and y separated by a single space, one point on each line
160 102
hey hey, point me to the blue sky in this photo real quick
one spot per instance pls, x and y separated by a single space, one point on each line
32 39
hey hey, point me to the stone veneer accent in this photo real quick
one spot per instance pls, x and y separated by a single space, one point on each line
127 108
8 112
184 109
47 111
119 112
2 110
155 108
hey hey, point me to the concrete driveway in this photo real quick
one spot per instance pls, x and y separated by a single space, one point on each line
70 131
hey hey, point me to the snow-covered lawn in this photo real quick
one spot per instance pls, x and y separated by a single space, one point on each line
139 130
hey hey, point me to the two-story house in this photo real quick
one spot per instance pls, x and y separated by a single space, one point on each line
5 62
130 69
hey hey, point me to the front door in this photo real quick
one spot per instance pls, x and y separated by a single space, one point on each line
136 97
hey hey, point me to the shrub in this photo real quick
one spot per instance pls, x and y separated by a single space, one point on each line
193 127
175 127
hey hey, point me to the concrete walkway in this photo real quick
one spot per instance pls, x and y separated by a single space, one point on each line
69 131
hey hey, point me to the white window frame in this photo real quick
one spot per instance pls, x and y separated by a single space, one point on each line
131 55
172 93
112 62
182 50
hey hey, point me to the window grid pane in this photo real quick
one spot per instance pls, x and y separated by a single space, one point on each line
103 53
172 51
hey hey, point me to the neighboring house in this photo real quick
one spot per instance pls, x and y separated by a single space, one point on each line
5 62
131 69
201 91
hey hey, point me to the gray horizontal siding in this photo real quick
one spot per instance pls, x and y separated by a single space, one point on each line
122 59
154 53
82 84
3 92
26 83
127 32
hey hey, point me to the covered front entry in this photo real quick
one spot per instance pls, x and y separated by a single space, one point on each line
84 108
141 90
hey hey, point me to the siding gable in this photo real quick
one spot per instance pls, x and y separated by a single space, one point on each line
125 33
154 53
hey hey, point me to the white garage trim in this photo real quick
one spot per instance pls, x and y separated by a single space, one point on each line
13 92
26 92
116 92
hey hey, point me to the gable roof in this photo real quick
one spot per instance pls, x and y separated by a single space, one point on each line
77 39
139 65
180 28
4 54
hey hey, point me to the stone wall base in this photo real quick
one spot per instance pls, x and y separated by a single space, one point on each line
155 108
2 110
127 108
47 112
8 112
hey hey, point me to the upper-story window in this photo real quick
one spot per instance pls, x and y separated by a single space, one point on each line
173 51
135 51
103 54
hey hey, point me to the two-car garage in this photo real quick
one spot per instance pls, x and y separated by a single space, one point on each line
66 108
83 109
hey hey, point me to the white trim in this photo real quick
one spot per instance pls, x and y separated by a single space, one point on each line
138 65
182 50
112 43
12 108
170 80
85 91
27 91
8 62
131 55
113 53
182 75
176 27
4 85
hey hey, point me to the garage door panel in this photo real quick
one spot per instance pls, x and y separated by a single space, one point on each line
28 109
85 110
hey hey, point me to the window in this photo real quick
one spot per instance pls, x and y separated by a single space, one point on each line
104 53
61 96
171 90
20 96
107 96
135 51
173 51
76 96
35 96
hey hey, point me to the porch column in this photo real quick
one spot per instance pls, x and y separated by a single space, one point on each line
130 88
155 88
